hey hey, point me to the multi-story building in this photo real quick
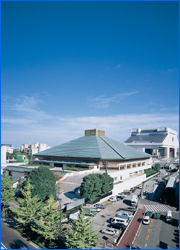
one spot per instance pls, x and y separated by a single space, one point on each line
24 147
160 142
3 154
42 147
9 148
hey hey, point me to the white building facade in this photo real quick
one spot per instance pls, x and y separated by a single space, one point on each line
3 154
161 142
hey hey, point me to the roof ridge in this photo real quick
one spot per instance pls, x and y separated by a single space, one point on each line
112 147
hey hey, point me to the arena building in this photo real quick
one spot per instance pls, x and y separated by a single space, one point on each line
97 152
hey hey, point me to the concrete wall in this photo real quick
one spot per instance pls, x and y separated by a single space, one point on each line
118 188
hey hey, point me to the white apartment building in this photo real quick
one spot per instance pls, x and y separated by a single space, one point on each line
3 154
43 146
24 146
161 142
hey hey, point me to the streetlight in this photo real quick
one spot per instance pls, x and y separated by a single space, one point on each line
60 200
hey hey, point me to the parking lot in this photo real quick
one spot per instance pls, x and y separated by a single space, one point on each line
103 218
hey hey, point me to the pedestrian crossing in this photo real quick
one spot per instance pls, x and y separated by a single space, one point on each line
157 208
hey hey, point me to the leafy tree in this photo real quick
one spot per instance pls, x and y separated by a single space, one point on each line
82 235
107 183
94 185
47 221
43 181
28 205
91 186
7 191
157 167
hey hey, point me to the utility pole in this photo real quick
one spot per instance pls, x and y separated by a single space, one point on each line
105 164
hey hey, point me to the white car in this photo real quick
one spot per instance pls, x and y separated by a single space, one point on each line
146 220
112 198
130 216
110 231
96 209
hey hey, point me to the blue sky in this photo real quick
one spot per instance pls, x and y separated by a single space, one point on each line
71 66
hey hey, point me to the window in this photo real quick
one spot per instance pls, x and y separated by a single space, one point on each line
172 138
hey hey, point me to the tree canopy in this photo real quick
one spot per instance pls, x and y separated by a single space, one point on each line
7 191
28 205
82 235
47 221
43 181
94 185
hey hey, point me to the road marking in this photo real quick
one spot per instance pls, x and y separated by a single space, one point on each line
152 221
158 208
147 238
149 230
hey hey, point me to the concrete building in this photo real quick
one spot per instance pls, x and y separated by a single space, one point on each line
34 148
9 148
96 151
160 142
42 147
3 154
24 147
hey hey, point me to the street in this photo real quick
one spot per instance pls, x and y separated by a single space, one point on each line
158 234
8 235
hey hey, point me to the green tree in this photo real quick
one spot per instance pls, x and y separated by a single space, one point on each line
94 185
157 167
90 187
7 191
107 183
28 205
47 221
82 235
43 181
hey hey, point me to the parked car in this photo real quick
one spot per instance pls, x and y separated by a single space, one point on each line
140 186
98 205
119 197
130 216
133 189
149 213
127 192
110 231
96 209
169 217
132 209
146 220
157 215
18 244
118 225
122 195
112 198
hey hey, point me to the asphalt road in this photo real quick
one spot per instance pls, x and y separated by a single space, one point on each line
8 235
159 234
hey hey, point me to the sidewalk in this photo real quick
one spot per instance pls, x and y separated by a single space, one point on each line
131 233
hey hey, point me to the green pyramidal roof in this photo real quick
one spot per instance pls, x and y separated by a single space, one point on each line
94 147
